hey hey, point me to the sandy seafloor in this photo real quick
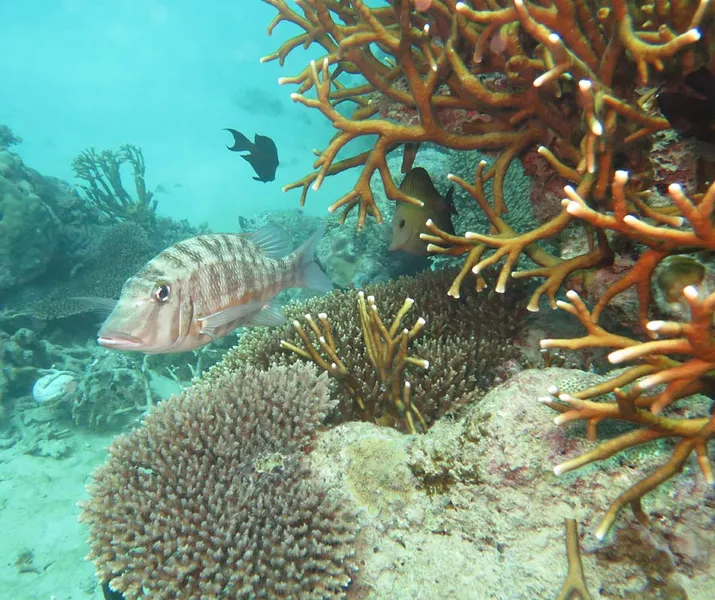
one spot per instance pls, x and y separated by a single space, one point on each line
38 514
495 532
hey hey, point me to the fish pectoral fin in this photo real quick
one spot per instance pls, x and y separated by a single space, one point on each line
103 306
238 314
274 242
270 315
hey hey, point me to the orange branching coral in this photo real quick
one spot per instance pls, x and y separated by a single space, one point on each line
417 74
507 243
500 75
691 227
576 42
639 400
574 583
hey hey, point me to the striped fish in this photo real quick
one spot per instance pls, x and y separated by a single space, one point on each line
203 288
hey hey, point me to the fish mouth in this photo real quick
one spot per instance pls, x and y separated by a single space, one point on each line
120 341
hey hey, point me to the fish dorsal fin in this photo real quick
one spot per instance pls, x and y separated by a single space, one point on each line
418 184
273 241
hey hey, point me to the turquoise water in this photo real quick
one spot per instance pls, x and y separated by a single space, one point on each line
164 435
168 77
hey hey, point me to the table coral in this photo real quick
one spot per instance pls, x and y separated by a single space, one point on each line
468 345
111 260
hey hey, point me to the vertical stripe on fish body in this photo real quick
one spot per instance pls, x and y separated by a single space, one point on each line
221 271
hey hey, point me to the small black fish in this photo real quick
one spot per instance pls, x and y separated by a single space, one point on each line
263 154
692 112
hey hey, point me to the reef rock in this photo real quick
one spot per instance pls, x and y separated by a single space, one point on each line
27 232
473 510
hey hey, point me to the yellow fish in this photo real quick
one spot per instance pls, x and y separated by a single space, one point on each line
409 220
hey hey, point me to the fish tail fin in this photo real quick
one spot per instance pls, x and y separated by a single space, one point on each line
308 273
240 142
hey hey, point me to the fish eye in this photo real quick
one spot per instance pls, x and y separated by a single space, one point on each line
161 292
402 223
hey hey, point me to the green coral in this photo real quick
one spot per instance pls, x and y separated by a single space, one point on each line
104 188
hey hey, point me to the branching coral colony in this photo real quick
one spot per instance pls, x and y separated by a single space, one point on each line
104 188
577 80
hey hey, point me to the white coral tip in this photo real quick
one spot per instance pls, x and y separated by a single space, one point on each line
690 292
654 325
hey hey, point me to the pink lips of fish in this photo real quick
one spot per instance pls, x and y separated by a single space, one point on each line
203 288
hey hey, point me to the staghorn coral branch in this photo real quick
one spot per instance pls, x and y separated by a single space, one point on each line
332 365
567 54
635 406
573 41
575 582
643 53
694 434
662 239
389 135
596 336
556 274
386 349
510 245
422 63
